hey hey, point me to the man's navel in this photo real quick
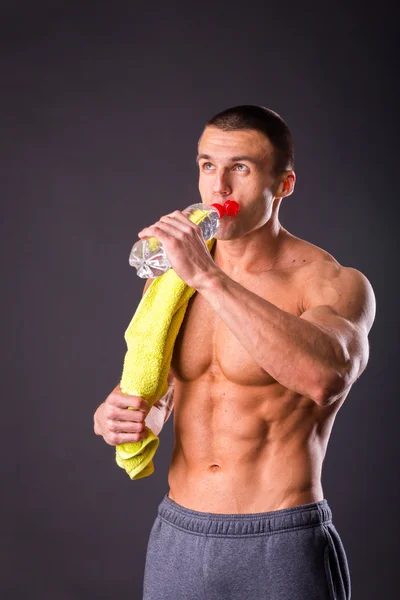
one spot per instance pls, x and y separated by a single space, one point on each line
214 467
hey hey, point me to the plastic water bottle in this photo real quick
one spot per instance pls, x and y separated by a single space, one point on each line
148 256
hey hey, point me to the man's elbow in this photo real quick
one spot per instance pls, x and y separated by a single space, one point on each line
334 387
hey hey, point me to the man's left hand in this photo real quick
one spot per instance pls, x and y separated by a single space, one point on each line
185 247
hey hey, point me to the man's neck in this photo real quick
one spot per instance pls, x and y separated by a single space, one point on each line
260 248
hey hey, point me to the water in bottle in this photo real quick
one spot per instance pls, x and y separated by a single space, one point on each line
148 256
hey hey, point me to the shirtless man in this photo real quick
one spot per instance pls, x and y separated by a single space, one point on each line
270 346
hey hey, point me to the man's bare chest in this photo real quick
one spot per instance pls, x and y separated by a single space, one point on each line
206 345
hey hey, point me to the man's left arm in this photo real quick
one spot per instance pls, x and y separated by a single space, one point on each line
319 354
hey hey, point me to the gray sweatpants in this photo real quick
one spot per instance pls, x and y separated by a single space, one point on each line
290 554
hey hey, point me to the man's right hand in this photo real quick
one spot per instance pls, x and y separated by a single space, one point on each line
116 423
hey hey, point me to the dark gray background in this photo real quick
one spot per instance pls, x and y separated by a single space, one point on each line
101 108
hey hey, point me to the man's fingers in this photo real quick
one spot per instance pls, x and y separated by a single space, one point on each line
175 224
115 413
180 220
163 227
124 426
114 438
125 400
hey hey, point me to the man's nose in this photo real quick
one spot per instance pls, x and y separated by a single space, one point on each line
221 184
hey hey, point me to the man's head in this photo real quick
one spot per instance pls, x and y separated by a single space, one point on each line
245 153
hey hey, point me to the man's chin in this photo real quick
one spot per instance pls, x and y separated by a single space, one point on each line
228 229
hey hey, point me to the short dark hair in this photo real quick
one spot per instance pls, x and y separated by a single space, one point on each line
267 122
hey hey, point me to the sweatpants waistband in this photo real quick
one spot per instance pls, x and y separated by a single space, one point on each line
204 523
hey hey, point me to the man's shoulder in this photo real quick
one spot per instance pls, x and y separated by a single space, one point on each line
325 268
322 265
324 277
311 259
317 264
316 261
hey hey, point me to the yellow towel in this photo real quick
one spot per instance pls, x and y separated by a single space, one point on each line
150 338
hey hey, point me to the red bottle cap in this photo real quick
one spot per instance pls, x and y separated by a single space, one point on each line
230 208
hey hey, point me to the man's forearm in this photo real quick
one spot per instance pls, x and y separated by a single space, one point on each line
296 353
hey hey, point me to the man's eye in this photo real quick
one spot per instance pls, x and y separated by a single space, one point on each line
243 169
207 166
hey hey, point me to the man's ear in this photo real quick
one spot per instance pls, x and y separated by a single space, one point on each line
286 185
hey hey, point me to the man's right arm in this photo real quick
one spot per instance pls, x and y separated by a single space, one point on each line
116 424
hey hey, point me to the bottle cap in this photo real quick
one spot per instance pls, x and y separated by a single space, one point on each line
230 208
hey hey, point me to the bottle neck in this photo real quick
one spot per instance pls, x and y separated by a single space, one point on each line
219 208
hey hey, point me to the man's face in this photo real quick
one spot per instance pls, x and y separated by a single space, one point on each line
237 165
